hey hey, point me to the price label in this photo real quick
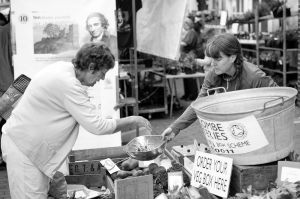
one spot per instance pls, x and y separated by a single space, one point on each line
110 165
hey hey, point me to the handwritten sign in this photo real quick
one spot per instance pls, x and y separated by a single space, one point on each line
212 172
85 167
234 137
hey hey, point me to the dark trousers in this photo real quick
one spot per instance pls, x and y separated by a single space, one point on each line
2 122
190 89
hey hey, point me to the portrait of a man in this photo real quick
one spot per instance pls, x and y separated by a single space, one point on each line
97 26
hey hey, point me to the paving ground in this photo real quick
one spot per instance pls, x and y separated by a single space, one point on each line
159 123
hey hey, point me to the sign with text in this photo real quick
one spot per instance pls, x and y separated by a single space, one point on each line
234 137
288 171
212 172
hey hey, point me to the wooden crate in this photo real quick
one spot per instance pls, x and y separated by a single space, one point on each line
87 170
259 176
132 187
241 177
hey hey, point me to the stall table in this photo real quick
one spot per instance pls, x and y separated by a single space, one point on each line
171 79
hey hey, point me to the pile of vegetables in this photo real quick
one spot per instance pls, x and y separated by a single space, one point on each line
129 168
286 190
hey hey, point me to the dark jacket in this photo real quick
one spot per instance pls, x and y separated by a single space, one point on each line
249 77
6 69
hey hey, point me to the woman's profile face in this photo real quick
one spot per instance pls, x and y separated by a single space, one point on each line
223 64
91 77
94 27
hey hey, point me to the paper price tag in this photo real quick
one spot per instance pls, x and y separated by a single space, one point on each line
175 181
110 165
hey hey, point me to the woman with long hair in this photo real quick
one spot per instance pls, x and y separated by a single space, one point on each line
230 71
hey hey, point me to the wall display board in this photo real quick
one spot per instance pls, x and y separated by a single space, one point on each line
159 28
47 31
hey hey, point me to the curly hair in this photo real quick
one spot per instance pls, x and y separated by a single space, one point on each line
94 53
227 44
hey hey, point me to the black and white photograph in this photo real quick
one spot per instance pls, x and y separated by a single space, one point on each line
149 99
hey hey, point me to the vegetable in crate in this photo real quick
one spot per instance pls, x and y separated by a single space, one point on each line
123 174
129 164
178 167
157 189
146 171
160 176
152 167
136 172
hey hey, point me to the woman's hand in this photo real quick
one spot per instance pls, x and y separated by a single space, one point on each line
132 122
142 122
168 134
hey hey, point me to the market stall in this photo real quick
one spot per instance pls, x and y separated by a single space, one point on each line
249 133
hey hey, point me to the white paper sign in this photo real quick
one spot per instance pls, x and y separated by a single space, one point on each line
175 181
110 165
213 172
234 137
290 174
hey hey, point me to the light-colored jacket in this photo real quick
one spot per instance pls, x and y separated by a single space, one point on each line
45 123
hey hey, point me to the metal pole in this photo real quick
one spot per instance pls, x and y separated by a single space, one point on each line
298 59
283 20
136 85
256 26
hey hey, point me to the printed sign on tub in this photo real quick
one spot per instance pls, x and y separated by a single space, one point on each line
213 172
234 137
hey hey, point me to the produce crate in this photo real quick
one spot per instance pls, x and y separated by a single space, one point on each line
258 176
87 170
133 187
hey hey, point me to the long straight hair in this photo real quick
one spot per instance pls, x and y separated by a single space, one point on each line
227 44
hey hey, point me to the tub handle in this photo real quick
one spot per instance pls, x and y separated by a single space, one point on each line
216 89
273 100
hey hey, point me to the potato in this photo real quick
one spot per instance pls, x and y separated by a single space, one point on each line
129 164
146 171
137 172
123 174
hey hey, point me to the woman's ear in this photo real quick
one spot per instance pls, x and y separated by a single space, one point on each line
92 67
233 58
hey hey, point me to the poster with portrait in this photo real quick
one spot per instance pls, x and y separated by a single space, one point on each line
47 31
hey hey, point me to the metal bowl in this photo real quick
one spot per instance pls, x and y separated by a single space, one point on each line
146 147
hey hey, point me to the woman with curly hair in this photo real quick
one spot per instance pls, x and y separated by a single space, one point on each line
230 71
43 128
